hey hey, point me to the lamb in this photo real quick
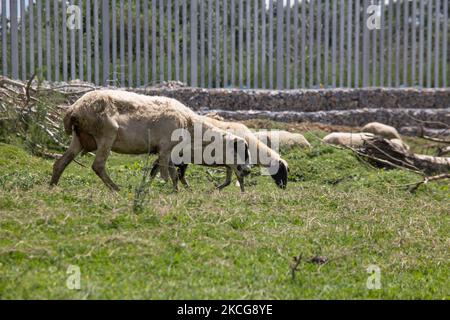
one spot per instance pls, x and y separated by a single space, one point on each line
128 123
349 139
286 139
256 149
382 130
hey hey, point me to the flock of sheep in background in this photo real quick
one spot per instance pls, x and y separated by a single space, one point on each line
129 123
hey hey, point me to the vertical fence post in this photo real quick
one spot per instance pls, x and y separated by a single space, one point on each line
444 46
241 41
130 43
4 40
80 44
64 40
365 56
14 39
202 44
334 44
31 33
154 68
210 44
185 76
382 43
233 42
39 36
436 42
161 40
429 42
342 43
56 38
413 43
248 42
114 42
311 44
270 44
48 47
217 43
88 42
194 43
122 43
326 53
169 40
349 42
72 49
303 46
319 41
421 40
288 45
23 39
217 16
177 39
405 42
296 36
397 43
96 45
138 43
263 44
105 41
374 33
389 53
255 46
357 38
225 50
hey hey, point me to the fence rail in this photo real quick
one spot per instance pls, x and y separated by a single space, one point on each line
265 44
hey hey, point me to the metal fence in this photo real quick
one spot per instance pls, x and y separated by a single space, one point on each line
229 43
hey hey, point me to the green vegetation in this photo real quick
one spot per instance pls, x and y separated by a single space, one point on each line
201 243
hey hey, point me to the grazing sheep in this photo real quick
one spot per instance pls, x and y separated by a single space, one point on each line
256 148
285 139
126 123
348 139
382 130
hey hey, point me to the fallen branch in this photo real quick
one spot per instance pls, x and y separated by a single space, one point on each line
425 180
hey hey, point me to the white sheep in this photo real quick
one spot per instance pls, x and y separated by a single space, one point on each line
127 123
382 130
256 149
285 139
348 139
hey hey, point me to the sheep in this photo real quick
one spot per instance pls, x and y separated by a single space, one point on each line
256 149
286 139
382 130
349 139
128 123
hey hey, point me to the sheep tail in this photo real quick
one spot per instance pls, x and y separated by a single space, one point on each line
68 122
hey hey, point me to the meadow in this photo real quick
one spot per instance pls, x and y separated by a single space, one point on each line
338 215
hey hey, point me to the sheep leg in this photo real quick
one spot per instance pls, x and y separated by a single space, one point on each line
167 168
227 179
173 176
182 174
240 179
103 150
155 170
61 164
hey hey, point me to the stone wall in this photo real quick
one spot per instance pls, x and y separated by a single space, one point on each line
354 107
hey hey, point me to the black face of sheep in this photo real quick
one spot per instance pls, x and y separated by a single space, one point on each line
281 176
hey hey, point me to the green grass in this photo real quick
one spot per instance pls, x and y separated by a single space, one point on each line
224 245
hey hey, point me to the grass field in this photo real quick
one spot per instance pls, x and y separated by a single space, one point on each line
201 243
